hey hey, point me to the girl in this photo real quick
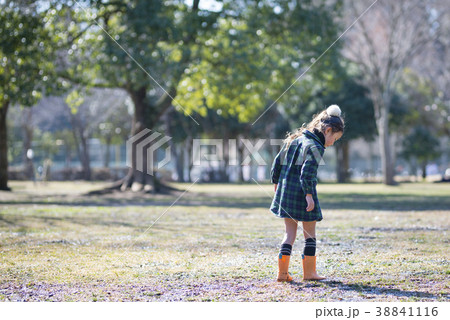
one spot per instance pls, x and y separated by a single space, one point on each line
294 172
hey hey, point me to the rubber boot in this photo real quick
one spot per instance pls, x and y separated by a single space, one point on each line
309 268
283 267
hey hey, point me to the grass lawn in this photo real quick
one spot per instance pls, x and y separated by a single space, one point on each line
220 243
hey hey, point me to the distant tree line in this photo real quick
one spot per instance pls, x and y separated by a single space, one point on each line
191 71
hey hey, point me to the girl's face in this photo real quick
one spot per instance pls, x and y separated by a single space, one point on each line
331 137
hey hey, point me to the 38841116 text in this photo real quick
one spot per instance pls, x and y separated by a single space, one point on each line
407 311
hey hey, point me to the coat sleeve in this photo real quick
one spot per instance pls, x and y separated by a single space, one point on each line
308 173
276 168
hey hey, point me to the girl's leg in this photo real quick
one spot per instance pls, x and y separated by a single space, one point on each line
309 232
309 253
291 231
286 249
309 229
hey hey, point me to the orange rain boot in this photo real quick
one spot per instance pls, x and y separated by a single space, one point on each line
283 266
309 268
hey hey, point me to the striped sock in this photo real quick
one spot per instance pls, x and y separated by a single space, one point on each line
286 249
310 247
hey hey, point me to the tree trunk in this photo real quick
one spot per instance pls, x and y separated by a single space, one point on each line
178 155
395 140
176 147
27 139
342 167
68 156
424 170
107 152
136 179
382 121
4 148
75 138
179 159
413 169
81 146
85 159
240 160
188 157
224 174
146 115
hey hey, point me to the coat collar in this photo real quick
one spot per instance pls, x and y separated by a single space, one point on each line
313 136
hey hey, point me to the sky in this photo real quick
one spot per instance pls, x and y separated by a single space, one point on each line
210 5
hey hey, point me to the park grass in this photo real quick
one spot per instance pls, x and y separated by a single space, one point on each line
220 243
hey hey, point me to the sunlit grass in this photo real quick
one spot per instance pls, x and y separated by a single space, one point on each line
220 243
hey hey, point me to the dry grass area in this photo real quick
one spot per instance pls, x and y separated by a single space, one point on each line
220 243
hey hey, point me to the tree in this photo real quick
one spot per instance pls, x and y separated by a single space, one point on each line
90 109
258 51
66 139
249 68
25 64
419 113
431 68
197 59
182 131
130 35
383 43
421 145
359 119
27 129
114 126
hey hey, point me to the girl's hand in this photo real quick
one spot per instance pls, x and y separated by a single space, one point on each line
310 202
275 185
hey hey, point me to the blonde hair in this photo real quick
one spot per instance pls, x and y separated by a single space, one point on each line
328 118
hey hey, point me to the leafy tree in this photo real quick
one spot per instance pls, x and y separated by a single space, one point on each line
197 59
66 139
26 69
91 112
183 130
383 46
114 128
46 143
359 120
421 145
145 52
417 103
257 53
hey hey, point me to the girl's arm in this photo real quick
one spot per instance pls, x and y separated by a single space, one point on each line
308 174
276 168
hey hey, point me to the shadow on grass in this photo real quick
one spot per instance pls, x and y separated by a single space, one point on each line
328 201
366 289
397 202
16 221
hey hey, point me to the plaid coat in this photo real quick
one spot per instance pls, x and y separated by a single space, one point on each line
294 171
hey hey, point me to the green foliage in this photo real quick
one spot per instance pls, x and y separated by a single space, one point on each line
258 51
156 36
115 127
234 61
417 103
74 99
65 137
356 107
46 143
422 145
26 53
15 141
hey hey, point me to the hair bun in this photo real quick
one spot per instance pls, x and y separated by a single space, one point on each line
334 110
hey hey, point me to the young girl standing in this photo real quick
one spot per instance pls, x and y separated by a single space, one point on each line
294 173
